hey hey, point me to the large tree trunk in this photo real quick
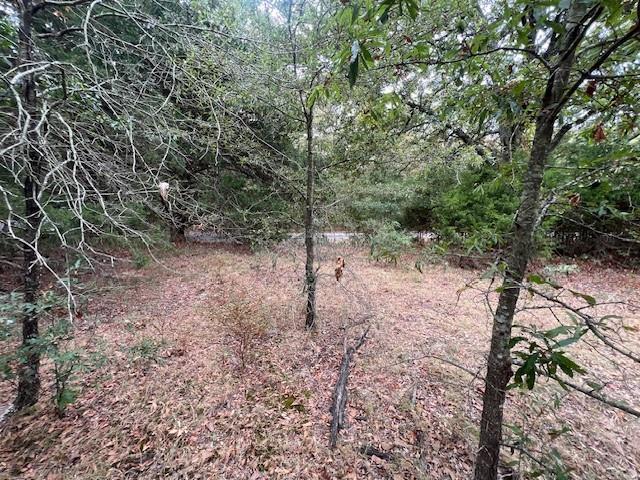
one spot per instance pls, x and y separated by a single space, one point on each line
28 376
310 274
499 362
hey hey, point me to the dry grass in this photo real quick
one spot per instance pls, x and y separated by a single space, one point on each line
187 407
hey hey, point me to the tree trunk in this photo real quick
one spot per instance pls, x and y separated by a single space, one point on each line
178 222
310 274
499 362
28 376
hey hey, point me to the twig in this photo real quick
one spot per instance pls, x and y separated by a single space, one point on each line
590 392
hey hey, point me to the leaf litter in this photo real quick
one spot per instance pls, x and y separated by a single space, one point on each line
174 400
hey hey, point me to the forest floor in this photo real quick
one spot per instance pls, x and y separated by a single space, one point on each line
206 371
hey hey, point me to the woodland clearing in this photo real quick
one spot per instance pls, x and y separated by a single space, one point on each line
188 389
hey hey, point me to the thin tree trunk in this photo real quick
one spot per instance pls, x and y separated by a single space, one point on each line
499 362
28 376
310 274
177 226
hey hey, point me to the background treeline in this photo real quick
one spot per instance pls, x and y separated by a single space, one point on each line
179 89
470 204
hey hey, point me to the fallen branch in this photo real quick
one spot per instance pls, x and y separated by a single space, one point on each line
340 393
370 451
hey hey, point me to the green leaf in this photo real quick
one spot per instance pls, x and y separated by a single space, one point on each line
412 8
518 88
367 59
531 379
515 340
528 370
479 41
356 12
587 298
567 341
314 95
482 117
595 385
534 278
345 16
384 12
554 332
66 397
567 365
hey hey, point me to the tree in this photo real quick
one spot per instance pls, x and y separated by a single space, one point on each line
570 64
307 25
564 43
29 380
73 133
297 82
305 85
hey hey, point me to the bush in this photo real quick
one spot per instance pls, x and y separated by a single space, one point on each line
598 215
139 259
388 243
55 342
245 325
470 205
477 213
146 349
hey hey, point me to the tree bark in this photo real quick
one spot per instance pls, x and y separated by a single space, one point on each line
340 394
177 224
310 274
499 361
28 372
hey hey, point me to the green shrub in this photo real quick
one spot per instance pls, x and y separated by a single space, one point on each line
140 260
388 243
55 342
477 213
146 349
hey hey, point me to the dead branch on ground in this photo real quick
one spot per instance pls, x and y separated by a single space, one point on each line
340 393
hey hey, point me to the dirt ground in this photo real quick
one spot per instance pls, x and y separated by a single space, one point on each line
205 371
